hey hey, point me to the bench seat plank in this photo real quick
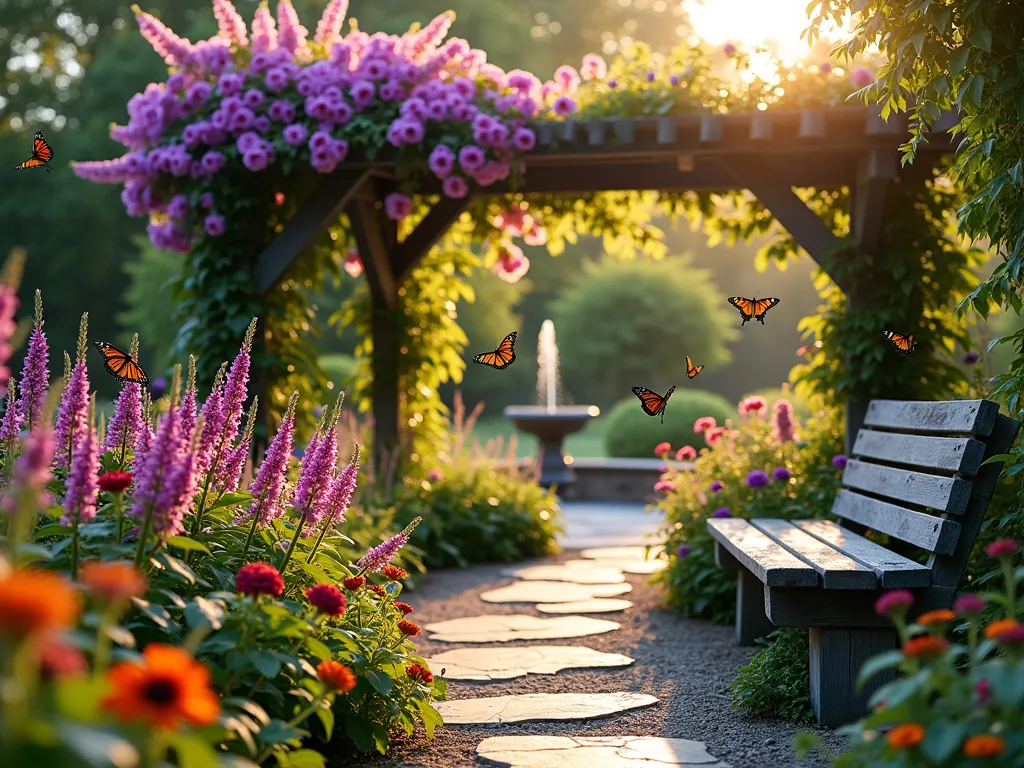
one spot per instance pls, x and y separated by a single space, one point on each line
766 559
946 494
948 454
893 570
972 417
837 571
926 531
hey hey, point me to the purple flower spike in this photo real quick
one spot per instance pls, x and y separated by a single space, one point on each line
782 422
72 414
10 427
272 476
35 372
83 484
235 387
31 471
340 494
126 421
378 557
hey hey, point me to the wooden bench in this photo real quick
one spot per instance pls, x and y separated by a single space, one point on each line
916 474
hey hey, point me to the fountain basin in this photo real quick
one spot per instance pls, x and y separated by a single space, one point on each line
551 428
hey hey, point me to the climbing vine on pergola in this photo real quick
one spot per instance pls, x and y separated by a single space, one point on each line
266 156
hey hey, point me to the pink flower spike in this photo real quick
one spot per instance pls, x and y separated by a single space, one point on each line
231 25
329 28
264 31
894 602
291 35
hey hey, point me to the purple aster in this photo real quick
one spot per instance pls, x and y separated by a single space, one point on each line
757 479
683 550
397 206
295 134
971 358
441 161
455 187
717 486
35 372
524 139
82 484
564 106
722 512
839 461
272 476
471 158
780 474
214 224
380 556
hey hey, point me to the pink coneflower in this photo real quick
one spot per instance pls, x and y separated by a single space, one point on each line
969 605
381 555
686 453
713 435
664 486
752 404
663 449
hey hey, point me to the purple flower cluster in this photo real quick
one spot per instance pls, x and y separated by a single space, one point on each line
35 372
31 471
83 483
8 306
380 556
166 478
126 422
73 413
757 479
780 474
269 485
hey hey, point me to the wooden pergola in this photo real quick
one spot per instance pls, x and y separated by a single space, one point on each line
768 153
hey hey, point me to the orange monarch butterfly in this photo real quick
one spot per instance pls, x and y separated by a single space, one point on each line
502 357
653 403
42 154
121 365
904 344
691 369
752 309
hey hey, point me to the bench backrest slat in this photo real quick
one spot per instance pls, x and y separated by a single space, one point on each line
944 494
926 531
967 417
946 454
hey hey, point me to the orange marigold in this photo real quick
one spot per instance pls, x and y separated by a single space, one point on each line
996 628
906 735
394 573
941 616
925 645
113 582
984 745
36 601
168 687
336 675
409 628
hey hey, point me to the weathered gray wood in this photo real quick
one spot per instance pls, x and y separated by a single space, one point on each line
837 571
751 620
948 570
596 130
545 133
812 125
926 531
801 607
761 128
973 417
892 570
666 129
876 171
568 131
625 130
763 557
836 656
950 454
945 494
431 228
711 128
726 561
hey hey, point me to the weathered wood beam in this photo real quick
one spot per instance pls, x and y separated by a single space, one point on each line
876 171
806 227
323 206
375 237
431 229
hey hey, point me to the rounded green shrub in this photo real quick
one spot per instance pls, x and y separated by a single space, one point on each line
340 369
632 323
631 432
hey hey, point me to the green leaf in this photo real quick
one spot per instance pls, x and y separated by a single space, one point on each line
301 758
184 542
430 716
279 732
54 529
877 664
96 747
326 716
943 738
230 499
982 38
193 753
154 612
381 682
266 663
360 731
958 60
203 611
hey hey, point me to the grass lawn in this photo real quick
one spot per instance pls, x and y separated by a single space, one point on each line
588 444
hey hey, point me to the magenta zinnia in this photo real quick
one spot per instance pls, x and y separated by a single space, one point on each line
381 555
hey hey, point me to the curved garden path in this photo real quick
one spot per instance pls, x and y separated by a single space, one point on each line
687 665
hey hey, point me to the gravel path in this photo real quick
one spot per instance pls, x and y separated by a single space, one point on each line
687 664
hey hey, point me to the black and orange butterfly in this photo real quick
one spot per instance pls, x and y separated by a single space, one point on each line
691 369
904 344
42 154
503 356
653 403
121 365
752 309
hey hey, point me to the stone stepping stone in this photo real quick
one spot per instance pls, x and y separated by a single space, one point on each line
551 592
533 707
575 571
506 663
597 605
622 553
516 626
594 752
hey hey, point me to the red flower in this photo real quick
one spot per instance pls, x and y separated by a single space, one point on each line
926 645
405 608
394 573
713 435
327 598
409 628
377 589
336 675
259 579
58 658
663 449
279 199
686 453
1002 548
891 602
420 673
983 690
354 583
115 482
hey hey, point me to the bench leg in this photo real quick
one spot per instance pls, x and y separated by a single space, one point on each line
751 620
836 659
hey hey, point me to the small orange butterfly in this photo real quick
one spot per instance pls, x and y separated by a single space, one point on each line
42 154
653 403
502 357
691 369
121 365
753 309
904 344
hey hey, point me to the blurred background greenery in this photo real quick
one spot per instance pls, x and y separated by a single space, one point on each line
73 65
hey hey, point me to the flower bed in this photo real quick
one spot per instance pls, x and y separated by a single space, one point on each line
158 594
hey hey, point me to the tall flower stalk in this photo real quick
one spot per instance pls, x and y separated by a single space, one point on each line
82 487
35 371
339 496
74 402
375 560
127 420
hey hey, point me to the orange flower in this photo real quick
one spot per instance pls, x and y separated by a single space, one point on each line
36 601
996 628
984 745
925 645
113 582
936 617
168 687
336 675
906 735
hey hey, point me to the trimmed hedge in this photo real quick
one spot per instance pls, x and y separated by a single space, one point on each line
631 432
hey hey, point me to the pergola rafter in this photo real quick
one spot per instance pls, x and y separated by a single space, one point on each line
768 153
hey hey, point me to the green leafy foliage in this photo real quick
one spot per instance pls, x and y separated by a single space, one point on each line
149 297
621 324
631 432
774 683
339 369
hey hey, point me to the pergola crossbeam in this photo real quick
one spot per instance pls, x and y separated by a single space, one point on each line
876 170
431 229
375 238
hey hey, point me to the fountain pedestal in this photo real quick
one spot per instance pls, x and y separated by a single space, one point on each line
551 428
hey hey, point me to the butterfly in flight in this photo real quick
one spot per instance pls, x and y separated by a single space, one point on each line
121 365
904 344
42 154
502 357
653 403
691 369
753 309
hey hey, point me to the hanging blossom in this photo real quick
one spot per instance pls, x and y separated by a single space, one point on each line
31 472
35 371
329 28
380 556
175 50
339 496
73 413
511 264
230 23
83 479
264 32
272 476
